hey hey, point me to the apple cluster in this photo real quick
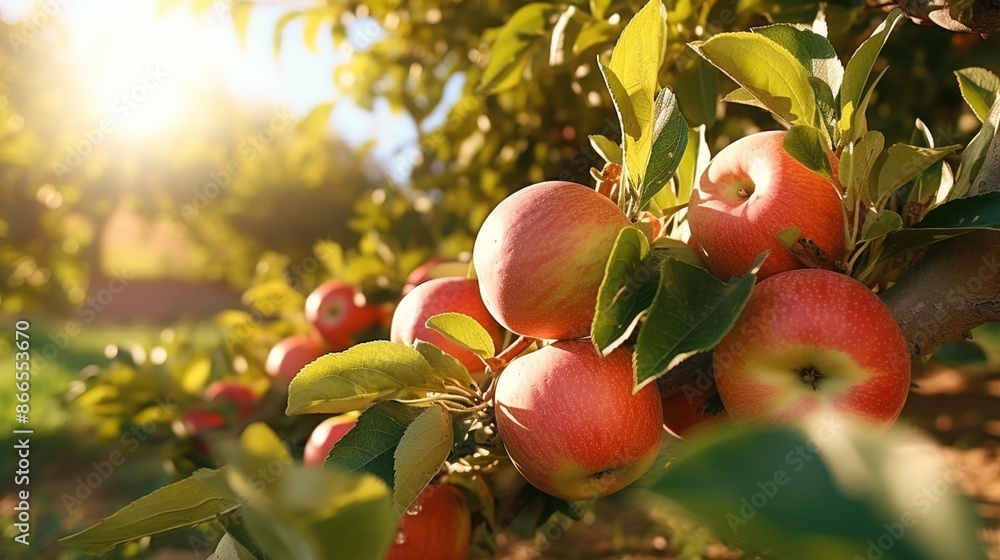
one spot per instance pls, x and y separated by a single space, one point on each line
337 311
809 340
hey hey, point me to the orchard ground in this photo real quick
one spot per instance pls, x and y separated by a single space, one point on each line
957 402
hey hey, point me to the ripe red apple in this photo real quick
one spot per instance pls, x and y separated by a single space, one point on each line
324 436
571 424
198 420
443 295
540 257
337 311
680 413
812 340
436 526
290 355
232 395
751 191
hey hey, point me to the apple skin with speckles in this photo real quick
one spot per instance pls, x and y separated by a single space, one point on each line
752 190
443 295
809 321
437 526
680 413
540 258
571 424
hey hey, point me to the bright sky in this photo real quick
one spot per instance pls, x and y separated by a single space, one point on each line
123 43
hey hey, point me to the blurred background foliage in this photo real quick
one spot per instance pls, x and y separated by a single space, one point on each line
218 237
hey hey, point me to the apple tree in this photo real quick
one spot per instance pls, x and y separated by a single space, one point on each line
615 300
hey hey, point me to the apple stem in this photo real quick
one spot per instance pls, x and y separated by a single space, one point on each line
496 364
811 376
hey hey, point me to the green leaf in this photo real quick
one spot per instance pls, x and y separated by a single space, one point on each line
691 313
900 164
524 28
594 35
975 153
623 104
624 293
607 149
599 7
809 147
463 331
856 164
359 376
979 89
669 135
230 549
564 34
856 76
422 451
789 236
636 61
948 220
318 513
444 364
316 123
236 529
181 504
369 446
766 70
241 21
879 224
697 89
279 28
743 97
813 51
849 481
693 163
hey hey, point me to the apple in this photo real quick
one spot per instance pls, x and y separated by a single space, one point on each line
198 420
436 526
540 257
572 425
813 340
443 295
324 436
680 413
291 354
751 191
337 310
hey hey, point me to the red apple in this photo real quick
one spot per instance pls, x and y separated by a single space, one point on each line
290 355
436 526
572 425
540 257
338 311
198 420
680 413
443 295
809 341
751 191
324 436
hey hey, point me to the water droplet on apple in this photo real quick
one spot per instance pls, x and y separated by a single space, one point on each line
414 509
400 538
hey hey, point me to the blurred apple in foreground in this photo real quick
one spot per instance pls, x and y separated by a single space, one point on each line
810 340
290 355
443 295
540 258
436 526
324 436
751 191
571 424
